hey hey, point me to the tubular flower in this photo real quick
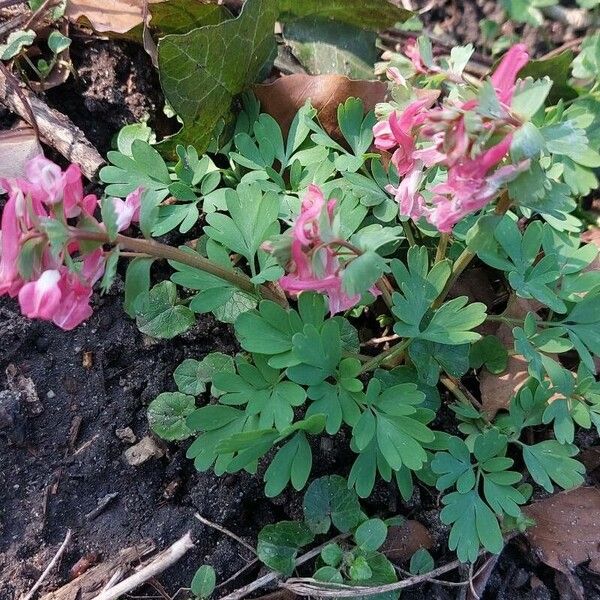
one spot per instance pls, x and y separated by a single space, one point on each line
313 260
128 210
51 284
451 137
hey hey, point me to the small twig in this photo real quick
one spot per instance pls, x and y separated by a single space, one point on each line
49 568
113 580
163 561
14 83
238 573
7 3
226 531
455 387
434 580
566 46
101 506
269 577
381 340
55 129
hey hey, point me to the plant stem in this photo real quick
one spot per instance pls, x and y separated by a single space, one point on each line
410 238
512 320
440 253
465 258
152 248
392 352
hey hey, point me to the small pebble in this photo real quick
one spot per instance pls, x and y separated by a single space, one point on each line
125 434
50 395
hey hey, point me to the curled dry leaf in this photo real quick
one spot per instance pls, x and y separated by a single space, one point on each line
118 16
404 540
285 96
17 147
567 530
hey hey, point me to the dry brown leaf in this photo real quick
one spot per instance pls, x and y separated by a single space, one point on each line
285 96
497 391
404 540
118 16
17 146
567 530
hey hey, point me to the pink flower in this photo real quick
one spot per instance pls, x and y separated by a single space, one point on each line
470 186
505 76
74 307
393 74
411 50
127 210
72 191
10 236
314 263
410 201
397 132
41 298
46 179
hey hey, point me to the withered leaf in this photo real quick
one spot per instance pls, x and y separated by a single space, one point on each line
404 540
567 530
285 96
17 147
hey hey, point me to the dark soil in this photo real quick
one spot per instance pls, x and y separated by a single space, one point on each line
57 465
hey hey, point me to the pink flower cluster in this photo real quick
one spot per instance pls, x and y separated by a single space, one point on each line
314 263
424 136
51 290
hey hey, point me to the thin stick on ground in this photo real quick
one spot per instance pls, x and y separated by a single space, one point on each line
55 129
49 568
226 531
269 577
159 564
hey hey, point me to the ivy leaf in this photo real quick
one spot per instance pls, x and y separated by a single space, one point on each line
167 415
278 544
199 76
550 461
328 500
158 313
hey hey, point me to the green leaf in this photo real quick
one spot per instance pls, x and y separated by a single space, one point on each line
191 376
110 270
421 562
203 583
558 69
328 500
158 313
430 359
359 569
363 272
587 63
370 534
530 95
328 574
278 544
491 352
181 16
293 462
199 76
323 47
549 461
369 14
15 42
137 282
332 555
167 415
473 524
57 42
454 467
57 234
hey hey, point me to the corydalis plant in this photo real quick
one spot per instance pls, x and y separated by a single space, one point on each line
302 238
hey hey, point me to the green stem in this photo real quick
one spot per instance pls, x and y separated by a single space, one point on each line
440 253
392 352
410 238
513 321
152 248
465 258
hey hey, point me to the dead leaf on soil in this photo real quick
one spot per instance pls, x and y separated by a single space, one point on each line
404 540
285 96
17 147
118 16
567 530
497 391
